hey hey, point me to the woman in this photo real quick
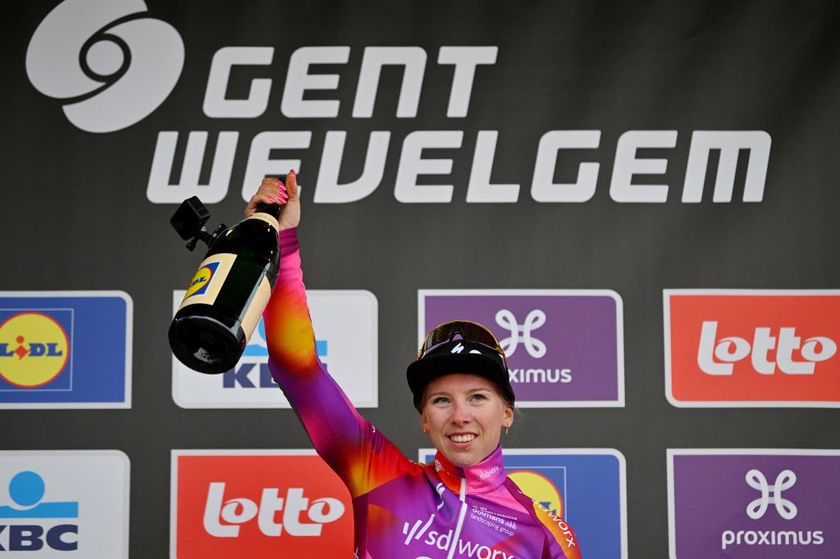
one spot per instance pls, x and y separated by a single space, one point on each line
461 505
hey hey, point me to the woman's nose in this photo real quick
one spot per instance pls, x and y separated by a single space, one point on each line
460 414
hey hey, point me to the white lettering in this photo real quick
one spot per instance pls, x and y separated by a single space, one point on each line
480 189
543 187
260 163
777 538
328 190
413 59
465 60
729 143
627 164
241 510
733 349
216 105
160 191
298 80
412 164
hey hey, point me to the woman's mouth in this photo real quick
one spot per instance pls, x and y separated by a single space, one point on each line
461 437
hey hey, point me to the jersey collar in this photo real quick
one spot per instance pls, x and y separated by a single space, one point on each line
483 477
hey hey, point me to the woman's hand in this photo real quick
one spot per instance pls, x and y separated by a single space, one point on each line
272 191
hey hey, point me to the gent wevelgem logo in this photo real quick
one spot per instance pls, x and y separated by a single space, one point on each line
109 62
521 333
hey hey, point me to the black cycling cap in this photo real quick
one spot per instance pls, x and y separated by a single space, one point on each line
460 346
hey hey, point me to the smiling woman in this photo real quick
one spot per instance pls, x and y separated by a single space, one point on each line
463 415
463 504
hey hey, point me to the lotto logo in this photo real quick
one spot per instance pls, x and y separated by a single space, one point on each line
715 357
272 504
752 348
112 63
222 517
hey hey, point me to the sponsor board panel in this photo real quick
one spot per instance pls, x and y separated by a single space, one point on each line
232 503
565 348
752 348
64 503
753 503
65 349
586 486
346 332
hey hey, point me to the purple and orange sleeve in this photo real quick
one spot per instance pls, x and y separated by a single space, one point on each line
361 456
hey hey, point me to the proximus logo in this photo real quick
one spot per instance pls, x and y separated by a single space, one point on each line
111 63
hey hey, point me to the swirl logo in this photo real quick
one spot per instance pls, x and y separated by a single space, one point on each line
771 495
521 332
111 63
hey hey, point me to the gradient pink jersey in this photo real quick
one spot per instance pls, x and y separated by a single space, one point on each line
402 510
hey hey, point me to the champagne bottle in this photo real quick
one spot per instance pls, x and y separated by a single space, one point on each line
227 295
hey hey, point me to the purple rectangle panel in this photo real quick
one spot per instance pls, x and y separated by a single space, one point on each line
755 504
564 348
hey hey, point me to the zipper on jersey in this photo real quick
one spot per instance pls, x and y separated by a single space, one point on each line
461 514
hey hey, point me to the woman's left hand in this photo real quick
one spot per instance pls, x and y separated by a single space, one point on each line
272 191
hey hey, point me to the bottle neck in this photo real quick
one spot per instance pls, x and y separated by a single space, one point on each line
269 213
271 209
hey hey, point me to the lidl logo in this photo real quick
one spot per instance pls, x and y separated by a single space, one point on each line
201 280
258 504
540 488
64 504
65 349
346 332
586 486
34 348
726 348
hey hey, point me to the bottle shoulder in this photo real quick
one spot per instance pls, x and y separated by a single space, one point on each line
250 235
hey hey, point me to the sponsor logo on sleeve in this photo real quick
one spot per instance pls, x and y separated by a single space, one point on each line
752 348
64 504
753 503
65 349
253 504
564 348
560 481
346 331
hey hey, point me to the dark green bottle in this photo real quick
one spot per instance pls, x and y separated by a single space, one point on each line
227 295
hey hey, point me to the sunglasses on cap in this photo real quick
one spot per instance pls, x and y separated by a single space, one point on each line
467 330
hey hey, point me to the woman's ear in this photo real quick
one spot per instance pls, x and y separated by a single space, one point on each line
424 423
507 418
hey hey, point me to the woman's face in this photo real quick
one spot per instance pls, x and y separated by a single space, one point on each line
464 415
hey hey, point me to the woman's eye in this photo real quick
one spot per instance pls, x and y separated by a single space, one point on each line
479 396
440 400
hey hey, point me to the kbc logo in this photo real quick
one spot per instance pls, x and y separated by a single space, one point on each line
752 348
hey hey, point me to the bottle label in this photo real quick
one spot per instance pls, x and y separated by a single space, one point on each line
270 219
208 280
255 308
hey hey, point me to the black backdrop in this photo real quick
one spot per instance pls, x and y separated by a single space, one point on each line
75 214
